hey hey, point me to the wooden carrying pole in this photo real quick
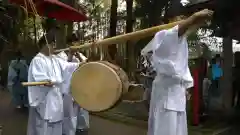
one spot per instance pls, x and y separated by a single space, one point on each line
114 40
125 37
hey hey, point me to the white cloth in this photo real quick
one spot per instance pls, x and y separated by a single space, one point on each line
63 56
82 119
185 2
39 126
75 114
48 101
148 48
167 114
70 115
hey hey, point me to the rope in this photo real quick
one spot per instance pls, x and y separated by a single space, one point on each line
25 4
34 9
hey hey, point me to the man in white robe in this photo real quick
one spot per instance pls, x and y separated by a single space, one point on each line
75 117
46 102
167 115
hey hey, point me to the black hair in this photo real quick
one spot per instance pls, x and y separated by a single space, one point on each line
41 42
217 56
73 38
50 37
18 55
213 60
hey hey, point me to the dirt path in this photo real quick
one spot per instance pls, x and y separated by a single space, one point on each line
101 126
14 122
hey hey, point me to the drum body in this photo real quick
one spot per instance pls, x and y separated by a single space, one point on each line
97 86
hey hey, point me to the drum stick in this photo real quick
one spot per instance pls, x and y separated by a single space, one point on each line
35 83
125 37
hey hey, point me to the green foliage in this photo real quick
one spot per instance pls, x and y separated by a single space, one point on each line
193 37
149 13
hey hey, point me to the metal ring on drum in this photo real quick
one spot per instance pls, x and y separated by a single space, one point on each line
98 86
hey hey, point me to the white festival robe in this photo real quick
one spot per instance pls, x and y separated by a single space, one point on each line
46 103
167 114
76 115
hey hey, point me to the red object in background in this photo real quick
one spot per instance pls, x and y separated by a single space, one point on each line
204 66
54 9
196 103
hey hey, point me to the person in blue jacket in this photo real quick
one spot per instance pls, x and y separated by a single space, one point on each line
216 72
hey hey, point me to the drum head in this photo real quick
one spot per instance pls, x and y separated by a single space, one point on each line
96 86
121 73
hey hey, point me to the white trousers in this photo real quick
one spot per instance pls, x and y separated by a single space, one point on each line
39 126
167 122
167 114
70 116
74 116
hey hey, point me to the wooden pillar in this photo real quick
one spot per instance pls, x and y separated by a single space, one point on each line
227 75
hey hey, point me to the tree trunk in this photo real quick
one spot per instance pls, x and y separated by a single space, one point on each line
227 75
155 14
72 3
69 29
130 48
154 10
112 49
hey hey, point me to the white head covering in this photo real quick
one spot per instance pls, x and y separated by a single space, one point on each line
184 2
146 53
148 48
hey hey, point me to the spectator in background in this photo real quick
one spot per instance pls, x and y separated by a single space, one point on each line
148 73
236 80
216 72
17 73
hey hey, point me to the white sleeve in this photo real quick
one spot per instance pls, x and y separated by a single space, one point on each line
84 58
166 44
74 59
62 55
38 71
68 67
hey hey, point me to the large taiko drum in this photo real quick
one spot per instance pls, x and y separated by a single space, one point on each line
98 86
